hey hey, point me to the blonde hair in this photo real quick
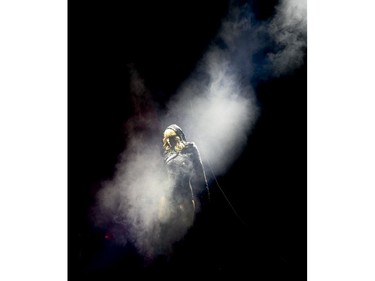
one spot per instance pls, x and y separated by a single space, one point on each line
169 133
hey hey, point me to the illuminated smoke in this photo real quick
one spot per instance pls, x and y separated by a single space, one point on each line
216 108
289 30
134 205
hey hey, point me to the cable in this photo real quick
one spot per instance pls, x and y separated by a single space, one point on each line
226 198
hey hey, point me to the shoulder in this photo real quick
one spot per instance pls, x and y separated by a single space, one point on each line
191 146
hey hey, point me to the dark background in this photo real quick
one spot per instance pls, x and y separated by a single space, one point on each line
267 184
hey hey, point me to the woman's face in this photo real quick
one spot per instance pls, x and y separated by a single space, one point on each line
170 138
172 141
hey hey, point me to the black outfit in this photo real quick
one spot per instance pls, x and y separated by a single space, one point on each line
190 190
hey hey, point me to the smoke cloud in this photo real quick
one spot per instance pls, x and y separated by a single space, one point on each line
134 205
216 108
289 30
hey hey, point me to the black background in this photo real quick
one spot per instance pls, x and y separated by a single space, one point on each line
267 184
